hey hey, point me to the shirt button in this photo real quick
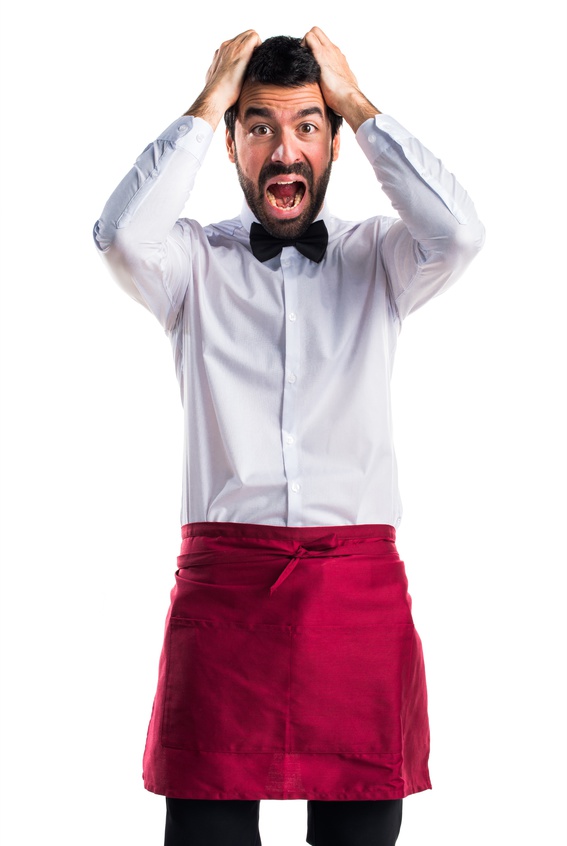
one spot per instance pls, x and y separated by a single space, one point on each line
290 439
182 127
292 316
291 377
372 138
200 137
296 487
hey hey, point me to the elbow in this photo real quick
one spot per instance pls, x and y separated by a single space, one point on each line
448 256
118 254
455 248
117 245
102 243
470 238
465 242
105 235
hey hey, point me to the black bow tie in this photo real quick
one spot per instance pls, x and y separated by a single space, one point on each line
312 244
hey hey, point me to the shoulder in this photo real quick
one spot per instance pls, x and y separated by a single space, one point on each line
224 233
358 234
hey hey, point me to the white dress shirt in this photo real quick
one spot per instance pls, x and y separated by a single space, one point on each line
285 366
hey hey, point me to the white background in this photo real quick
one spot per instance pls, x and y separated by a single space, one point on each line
91 429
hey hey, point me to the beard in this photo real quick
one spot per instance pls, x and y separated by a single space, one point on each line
255 194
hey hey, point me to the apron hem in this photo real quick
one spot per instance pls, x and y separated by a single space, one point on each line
346 796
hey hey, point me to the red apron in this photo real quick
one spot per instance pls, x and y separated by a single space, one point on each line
291 668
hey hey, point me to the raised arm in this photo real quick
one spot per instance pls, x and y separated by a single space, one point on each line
439 232
146 247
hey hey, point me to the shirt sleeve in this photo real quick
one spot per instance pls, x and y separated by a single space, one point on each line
146 247
438 233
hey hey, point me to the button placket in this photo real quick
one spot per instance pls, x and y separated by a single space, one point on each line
292 378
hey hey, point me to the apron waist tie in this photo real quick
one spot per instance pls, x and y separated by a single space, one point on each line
325 544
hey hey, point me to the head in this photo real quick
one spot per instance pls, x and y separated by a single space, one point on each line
282 137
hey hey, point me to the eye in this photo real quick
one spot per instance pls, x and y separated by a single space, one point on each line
307 128
260 130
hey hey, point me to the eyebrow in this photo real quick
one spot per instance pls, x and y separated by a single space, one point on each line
254 111
313 110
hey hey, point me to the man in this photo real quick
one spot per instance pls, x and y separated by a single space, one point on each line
291 668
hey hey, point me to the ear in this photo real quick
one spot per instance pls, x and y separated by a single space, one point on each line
336 145
230 146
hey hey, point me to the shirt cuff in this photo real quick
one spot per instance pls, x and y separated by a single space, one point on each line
192 134
377 133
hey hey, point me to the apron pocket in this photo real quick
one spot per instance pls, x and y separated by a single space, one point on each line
226 686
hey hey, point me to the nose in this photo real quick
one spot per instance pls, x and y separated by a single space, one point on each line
287 149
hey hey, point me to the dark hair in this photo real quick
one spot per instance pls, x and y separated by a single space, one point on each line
282 60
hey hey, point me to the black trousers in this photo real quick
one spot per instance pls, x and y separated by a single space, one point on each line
234 822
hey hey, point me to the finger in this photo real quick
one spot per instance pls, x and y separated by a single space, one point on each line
248 35
317 34
316 30
239 40
234 49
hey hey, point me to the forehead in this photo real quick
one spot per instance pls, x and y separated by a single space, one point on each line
281 102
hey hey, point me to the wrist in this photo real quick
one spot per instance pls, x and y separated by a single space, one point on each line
210 106
356 108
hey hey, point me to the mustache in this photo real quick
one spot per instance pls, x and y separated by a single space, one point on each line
272 169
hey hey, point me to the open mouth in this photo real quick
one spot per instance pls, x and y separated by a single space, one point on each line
285 194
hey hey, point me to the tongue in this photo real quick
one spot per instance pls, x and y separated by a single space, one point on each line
284 192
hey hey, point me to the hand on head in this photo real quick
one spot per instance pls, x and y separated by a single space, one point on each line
338 83
226 75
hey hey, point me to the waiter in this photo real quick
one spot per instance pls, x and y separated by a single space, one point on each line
291 668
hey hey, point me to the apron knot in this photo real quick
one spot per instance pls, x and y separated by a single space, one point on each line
324 544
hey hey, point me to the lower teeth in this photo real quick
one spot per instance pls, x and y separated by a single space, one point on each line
288 203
